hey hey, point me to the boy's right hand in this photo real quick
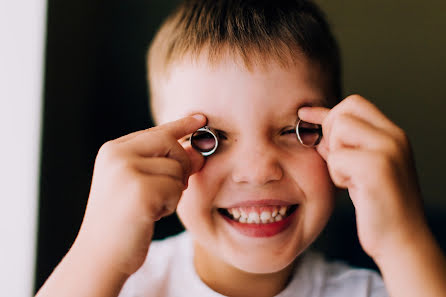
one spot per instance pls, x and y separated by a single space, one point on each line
137 179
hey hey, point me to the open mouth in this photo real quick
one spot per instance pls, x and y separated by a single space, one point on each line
258 214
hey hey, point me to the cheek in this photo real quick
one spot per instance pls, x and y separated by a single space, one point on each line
309 171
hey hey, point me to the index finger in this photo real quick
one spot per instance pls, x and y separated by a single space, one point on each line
314 115
184 123
182 127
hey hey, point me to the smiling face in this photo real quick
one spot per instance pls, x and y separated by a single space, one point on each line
259 167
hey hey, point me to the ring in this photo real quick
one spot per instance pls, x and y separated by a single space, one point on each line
309 134
204 140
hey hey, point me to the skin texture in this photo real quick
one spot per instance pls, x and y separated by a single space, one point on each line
143 176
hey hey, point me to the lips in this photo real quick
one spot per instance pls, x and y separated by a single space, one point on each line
259 221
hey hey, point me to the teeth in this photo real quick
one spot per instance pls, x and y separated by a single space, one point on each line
253 218
282 210
275 212
236 213
265 216
258 215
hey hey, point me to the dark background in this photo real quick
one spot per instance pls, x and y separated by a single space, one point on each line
95 91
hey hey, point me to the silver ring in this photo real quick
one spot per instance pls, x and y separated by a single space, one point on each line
208 130
300 139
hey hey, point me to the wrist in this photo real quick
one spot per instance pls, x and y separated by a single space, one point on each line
403 245
92 256
96 270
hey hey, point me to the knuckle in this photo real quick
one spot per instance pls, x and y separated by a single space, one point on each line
396 145
108 152
354 99
343 122
107 148
403 138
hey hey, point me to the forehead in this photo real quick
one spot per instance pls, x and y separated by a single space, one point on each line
229 92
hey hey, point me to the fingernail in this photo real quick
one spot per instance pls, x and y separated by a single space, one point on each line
199 117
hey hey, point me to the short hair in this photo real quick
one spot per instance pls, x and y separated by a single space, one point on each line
256 30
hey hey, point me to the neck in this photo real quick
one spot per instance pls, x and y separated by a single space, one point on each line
231 281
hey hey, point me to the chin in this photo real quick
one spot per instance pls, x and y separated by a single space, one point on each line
261 264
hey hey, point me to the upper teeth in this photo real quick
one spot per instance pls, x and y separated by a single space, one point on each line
257 215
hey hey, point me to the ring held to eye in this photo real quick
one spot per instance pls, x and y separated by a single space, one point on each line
308 134
205 141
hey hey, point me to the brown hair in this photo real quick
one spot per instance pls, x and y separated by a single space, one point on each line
255 30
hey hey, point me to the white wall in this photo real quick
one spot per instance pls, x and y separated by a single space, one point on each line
22 41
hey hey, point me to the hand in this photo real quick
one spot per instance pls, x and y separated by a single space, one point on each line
371 157
137 179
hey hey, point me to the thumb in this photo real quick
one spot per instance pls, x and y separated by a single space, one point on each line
196 161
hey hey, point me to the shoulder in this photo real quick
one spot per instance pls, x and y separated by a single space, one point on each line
325 278
165 257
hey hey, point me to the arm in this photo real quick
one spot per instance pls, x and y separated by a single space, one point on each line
414 268
81 274
371 157
137 179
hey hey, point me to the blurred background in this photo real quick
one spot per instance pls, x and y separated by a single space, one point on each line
88 86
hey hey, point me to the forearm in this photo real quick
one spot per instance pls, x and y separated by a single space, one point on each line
416 269
80 274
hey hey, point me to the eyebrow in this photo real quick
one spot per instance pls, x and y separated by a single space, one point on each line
219 121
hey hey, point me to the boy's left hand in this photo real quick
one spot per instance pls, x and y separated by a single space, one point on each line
371 157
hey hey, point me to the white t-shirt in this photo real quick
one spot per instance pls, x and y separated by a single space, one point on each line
168 271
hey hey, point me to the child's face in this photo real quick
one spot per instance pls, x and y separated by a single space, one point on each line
259 165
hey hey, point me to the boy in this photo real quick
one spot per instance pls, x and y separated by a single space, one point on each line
249 70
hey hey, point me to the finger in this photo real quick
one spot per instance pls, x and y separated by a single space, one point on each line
128 136
183 126
363 108
190 123
322 148
346 166
161 141
348 130
163 146
314 115
165 200
196 159
357 169
161 166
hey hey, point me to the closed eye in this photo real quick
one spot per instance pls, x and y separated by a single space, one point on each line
302 130
221 135
290 131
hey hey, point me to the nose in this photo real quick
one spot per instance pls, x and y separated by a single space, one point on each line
256 164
